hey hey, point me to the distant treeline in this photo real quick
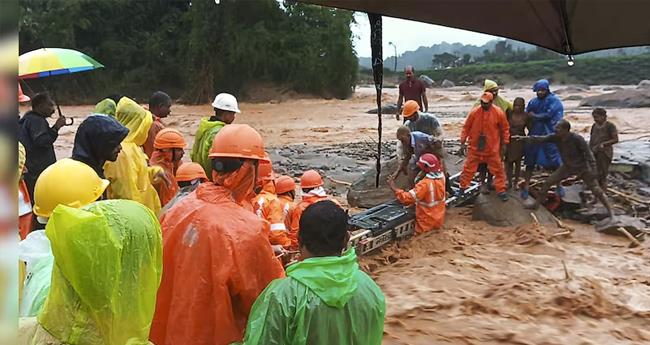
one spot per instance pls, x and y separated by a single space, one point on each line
193 49
623 70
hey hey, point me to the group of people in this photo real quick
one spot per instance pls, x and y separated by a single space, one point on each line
496 137
129 244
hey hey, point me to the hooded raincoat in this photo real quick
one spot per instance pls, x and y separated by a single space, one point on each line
130 176
203 142
429 198
288 207
267 206
547 112
323 301
97 137
314 196
494 127
163 159
217 260
106 106
499 101
108 259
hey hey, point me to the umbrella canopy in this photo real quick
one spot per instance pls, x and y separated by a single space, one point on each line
566 26
46 62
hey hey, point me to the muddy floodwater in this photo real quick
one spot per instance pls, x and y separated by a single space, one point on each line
468 283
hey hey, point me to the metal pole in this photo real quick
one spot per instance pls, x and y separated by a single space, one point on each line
378 74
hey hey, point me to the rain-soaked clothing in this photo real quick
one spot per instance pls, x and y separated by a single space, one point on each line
104 281
499 101
547 112
288 206
429 198
600 134
493 126
426 123
25 215
97 137
36 253
106 106
217 260
203 142
182 193
314 196
156 127
267 206
38 137
323 301
163 159
129 175
518 122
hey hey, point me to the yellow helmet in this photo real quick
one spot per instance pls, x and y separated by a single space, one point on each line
67 182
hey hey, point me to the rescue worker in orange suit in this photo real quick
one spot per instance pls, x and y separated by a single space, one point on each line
488 132
311 184
428 195
267 207
188 176
216 254
167 154
285 188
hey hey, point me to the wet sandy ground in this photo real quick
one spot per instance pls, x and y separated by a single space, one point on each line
468 283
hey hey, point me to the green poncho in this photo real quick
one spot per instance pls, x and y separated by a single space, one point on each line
106 106
323 301
203 142
107 269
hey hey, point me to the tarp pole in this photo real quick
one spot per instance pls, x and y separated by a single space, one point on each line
378 74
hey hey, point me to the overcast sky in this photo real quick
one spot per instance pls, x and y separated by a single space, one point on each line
409 35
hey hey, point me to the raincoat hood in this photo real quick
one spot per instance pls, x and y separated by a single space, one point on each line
106 106
107 268
329 277
135 118
96 138
542 84
489 85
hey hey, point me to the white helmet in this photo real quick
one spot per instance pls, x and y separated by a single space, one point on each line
227 102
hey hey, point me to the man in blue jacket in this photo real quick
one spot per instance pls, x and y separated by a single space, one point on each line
547 111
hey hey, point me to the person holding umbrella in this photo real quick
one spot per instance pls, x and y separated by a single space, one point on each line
38 138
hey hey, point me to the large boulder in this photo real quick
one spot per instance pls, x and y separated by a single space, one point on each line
489 208
644 84
572 89
610 226
619 99
447 83
363 193
388 109
427 81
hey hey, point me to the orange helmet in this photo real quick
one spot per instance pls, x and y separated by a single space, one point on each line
21 96
410 108
238 141
284 184
169 138
265 170
310 179
189 172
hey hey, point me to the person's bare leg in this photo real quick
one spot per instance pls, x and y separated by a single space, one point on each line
556 177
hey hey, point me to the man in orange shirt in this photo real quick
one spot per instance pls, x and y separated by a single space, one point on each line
160 107
488 132
428 195
168 152
267 206
285 188
216 254
311 184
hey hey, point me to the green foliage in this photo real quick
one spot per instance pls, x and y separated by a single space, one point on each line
611 70
194 49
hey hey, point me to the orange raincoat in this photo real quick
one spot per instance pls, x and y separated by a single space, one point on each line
216 261
288 206
163 159
493 124
428 195
267 207
308 199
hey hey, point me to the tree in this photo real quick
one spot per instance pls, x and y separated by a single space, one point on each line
444 60
467 59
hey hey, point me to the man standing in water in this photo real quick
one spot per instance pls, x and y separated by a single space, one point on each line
412 89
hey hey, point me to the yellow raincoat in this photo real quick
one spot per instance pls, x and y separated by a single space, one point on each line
499 101
130 176
107 269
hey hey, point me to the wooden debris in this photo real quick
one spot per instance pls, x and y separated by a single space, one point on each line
534 218
567 276
634 241
628 197
339 181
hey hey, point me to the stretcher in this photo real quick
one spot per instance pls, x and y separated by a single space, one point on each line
391 221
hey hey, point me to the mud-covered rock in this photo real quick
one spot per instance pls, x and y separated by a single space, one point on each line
447 83
489 208
364 194
644 84
620 99
388 109
610 226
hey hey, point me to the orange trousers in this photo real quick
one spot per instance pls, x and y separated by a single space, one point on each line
494 164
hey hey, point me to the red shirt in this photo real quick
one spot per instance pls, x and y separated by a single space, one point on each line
412 90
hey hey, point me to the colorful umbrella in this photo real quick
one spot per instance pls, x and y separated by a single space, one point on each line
47 62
